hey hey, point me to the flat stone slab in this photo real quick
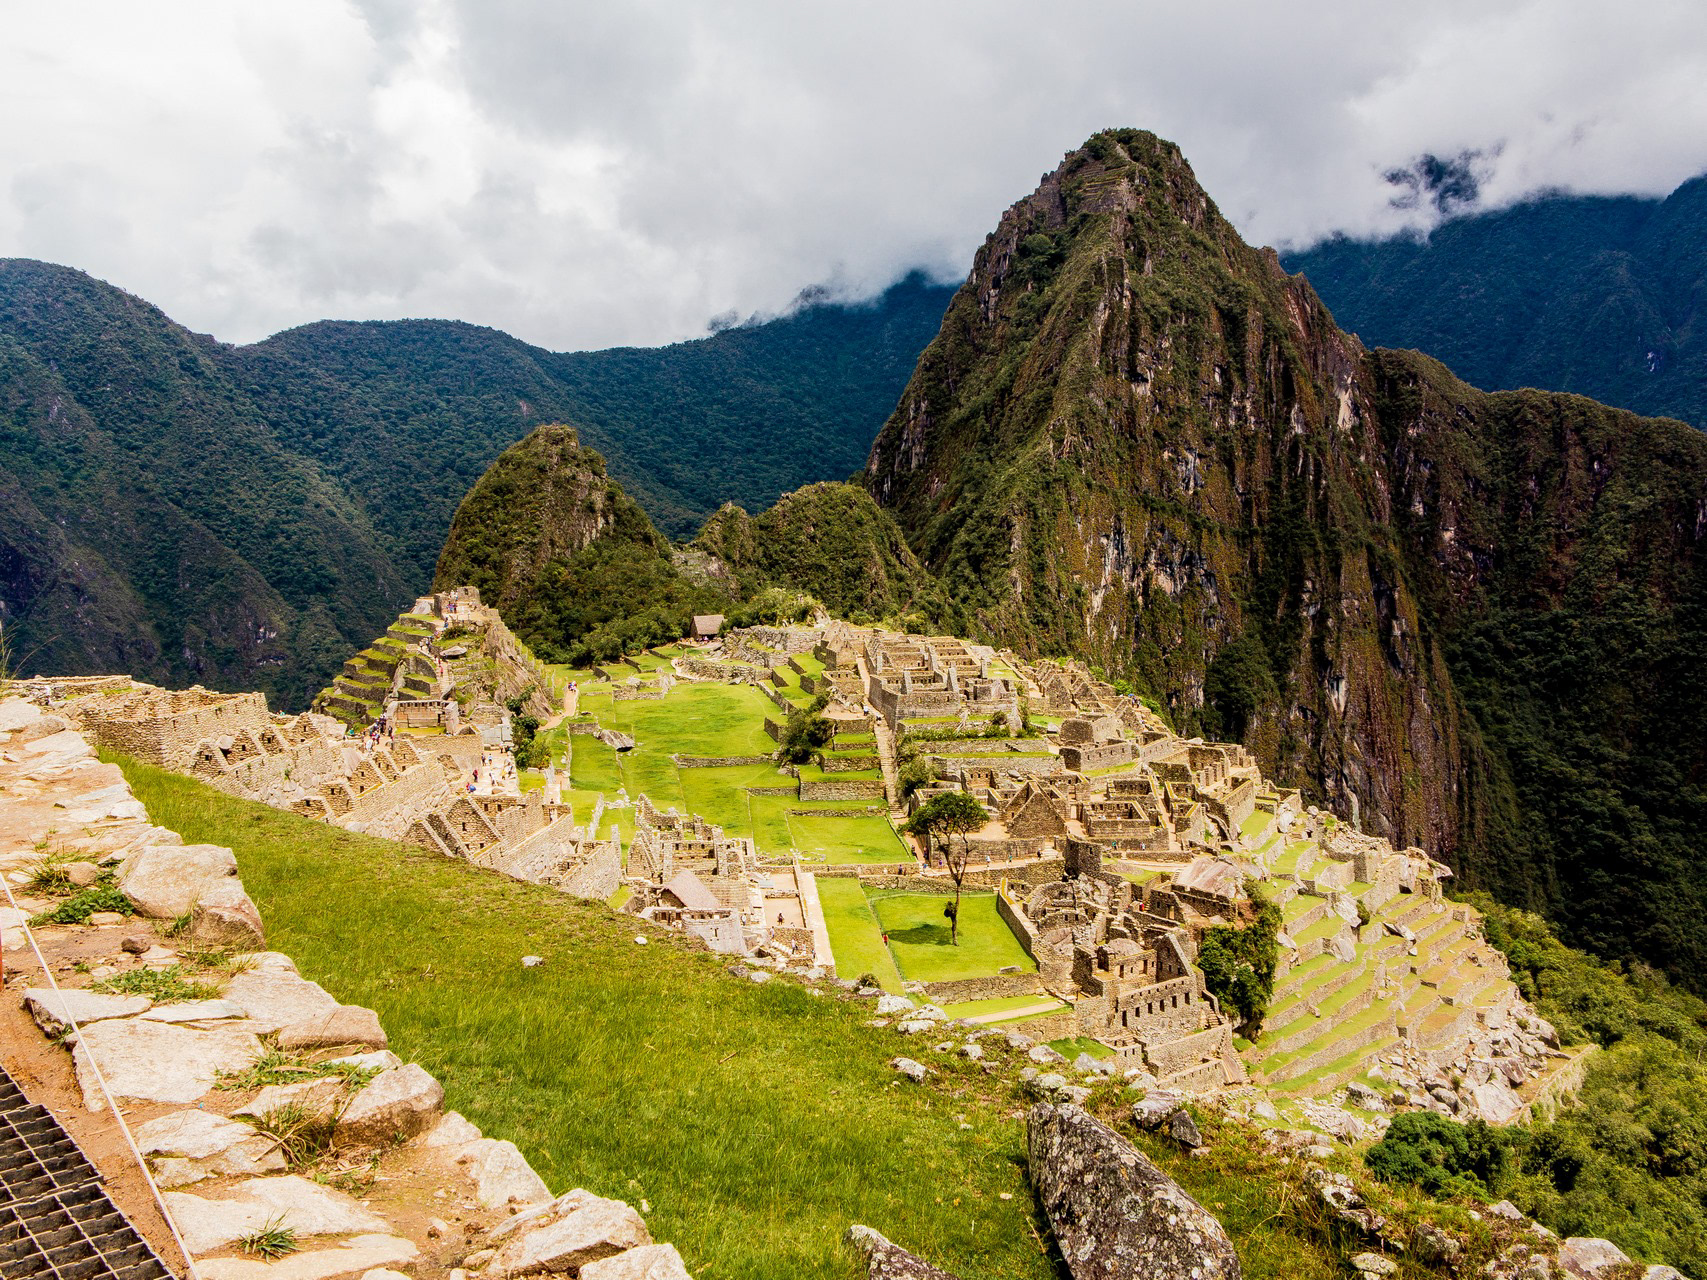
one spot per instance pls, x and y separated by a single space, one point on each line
275 998
157 1061
345 1024
192 1145
195 1011
352 1258
289 1201
55 1011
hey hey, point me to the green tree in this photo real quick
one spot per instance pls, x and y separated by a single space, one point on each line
950 814
805 734
1238 964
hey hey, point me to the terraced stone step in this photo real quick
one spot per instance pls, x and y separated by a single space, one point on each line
1321 984
1351 1066
1342 1004
1372 1024
1290 976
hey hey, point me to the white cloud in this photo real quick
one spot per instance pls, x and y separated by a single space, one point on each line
588 174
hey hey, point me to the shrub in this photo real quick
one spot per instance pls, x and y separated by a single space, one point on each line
1441 1156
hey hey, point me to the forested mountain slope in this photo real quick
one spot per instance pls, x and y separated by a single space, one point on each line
1601 295
245 516
151 522
1471 621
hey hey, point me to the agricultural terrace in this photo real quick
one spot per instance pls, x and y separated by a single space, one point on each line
710 720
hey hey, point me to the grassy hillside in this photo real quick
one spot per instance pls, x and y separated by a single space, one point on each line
757 1121
635 1072
1600 295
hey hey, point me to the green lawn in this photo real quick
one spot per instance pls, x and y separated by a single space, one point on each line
1073 1046
845 841
919 937
759 1121
1001 1004
855 938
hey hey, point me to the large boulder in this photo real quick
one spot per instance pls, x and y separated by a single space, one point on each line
166 881
1586 1257
1115 1215
399 1103
886 1261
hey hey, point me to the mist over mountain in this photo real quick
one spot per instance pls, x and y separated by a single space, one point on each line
1600 295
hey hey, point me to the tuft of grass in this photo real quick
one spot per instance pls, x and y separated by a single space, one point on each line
84 903
276 1066
303 1135
170 985
48 875
273 1240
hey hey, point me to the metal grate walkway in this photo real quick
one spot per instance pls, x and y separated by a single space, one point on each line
56 1221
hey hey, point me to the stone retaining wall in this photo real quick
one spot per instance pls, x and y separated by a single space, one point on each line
841 788
1000 986
719 762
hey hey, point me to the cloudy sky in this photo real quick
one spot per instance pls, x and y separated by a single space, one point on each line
588 174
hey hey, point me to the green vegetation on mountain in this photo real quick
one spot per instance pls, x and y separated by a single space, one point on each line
1471 620
150 523
569 559
830 540
1600 295
1630 1161
186 511
408 414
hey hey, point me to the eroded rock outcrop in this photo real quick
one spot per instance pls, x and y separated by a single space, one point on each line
1115 1215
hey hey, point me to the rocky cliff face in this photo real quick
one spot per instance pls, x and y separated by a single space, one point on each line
1138 438
1463 620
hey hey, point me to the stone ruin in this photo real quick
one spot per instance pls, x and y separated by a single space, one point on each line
686 873
1132 978
439 783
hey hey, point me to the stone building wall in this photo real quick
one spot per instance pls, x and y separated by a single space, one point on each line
841 789
162 727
